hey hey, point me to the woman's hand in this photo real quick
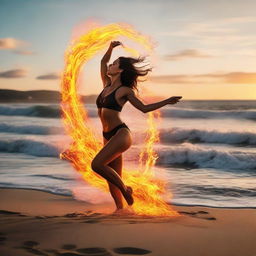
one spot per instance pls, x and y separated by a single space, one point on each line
113 44
174 99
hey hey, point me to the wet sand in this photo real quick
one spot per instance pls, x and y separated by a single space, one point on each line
39 223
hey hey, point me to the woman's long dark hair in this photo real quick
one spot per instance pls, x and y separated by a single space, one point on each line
130 72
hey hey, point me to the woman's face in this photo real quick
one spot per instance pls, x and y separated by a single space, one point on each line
113 68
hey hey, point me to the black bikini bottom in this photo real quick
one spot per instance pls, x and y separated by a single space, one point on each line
108 135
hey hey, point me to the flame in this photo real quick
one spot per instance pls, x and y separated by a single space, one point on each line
147 189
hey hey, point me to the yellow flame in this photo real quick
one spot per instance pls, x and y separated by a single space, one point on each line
148 190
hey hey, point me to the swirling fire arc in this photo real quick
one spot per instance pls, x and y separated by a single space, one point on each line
148 191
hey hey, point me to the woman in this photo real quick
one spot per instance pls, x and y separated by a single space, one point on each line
119 80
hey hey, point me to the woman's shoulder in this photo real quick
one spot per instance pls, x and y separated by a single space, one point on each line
125 91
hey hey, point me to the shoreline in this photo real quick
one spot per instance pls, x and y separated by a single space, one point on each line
174 204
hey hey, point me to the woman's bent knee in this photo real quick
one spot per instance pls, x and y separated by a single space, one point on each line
95 166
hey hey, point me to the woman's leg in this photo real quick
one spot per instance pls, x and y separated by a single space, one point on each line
119 143
117 165
114 190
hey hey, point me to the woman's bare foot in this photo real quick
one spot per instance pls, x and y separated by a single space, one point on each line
128 195
123 211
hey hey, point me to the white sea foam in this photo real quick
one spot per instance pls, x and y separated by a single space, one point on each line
30 147
184 154
196 156
179 135
208 114
30 129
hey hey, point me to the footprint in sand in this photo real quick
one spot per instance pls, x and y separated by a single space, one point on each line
197 215
29 246
194 213
2 238
131 250
211 218
203 212
3 212
68 254
206 218
36 251
68 246
91 221
190 213
9 212
96 251
40 217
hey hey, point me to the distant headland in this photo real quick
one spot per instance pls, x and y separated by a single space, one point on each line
39 96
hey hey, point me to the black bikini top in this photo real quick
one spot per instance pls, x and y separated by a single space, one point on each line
109 101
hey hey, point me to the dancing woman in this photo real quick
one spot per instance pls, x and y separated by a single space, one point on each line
119 81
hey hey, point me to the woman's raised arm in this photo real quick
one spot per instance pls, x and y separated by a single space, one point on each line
105 60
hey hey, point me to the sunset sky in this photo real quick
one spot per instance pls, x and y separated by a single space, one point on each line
205 49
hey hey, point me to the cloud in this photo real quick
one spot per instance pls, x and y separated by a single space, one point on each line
50 76
238 77
219 31
24 52
228 78
238 20
176 79
14 73
188 53
10 43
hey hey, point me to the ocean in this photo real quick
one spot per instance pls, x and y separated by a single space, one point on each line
207 151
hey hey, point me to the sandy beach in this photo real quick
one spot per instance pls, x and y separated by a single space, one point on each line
40 223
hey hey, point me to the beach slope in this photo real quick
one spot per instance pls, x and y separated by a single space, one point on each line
40 223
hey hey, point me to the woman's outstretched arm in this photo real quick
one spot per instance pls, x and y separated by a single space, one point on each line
157 105
137 103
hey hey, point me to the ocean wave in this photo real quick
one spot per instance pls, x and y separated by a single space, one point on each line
29 147
51 176
209 114
218 191
184 155
196 157
36 111
30 129
48 189
179 135
55 112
